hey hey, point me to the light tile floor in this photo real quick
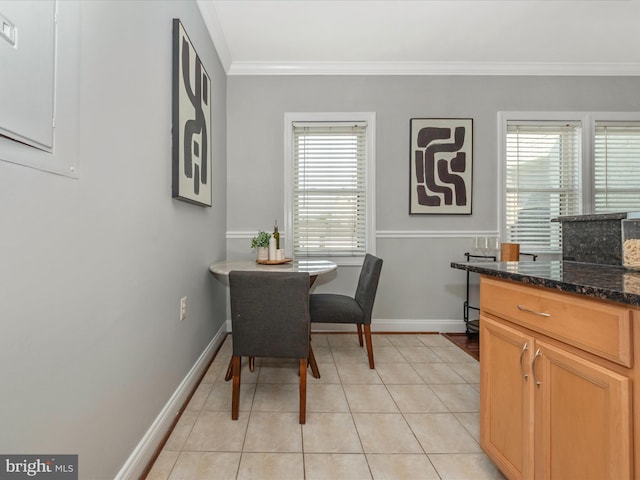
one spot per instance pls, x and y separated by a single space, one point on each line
414 417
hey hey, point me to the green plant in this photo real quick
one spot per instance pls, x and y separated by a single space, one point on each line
260 240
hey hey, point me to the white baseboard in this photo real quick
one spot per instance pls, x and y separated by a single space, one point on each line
142 454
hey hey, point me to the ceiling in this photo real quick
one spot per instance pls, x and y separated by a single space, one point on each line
465 37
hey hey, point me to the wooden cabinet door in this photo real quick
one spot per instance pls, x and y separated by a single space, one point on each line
583 418
506 406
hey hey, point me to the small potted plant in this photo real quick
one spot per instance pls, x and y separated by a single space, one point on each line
261 243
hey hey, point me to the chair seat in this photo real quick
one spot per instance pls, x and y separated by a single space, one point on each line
335 308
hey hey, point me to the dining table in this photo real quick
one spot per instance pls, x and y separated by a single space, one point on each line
314 267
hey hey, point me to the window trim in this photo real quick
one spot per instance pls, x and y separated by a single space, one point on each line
332 117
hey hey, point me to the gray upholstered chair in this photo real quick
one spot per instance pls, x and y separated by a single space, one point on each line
335 308
269 318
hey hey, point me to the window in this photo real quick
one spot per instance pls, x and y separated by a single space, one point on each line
329 178
557 164
617 166
541 181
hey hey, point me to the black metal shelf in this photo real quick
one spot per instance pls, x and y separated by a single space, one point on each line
473 326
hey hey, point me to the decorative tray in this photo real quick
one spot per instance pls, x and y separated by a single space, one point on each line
274 262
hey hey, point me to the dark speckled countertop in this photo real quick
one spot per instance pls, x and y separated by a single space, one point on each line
606 282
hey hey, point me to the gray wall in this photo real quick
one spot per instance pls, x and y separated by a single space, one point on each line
93 269
418 289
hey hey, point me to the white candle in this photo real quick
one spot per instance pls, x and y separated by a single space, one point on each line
272 249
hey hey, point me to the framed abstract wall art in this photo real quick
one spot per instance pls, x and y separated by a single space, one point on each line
441 165
191 122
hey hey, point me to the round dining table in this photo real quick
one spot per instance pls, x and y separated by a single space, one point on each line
313 267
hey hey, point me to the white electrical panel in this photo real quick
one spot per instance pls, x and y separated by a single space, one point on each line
27 71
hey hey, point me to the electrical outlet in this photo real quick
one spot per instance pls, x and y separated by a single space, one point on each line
183 308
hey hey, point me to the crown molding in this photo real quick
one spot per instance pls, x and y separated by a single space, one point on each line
427 68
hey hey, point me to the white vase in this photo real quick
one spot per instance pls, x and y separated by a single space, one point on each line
263 253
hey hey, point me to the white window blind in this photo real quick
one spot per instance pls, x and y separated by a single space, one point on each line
542 181
329 210
616 166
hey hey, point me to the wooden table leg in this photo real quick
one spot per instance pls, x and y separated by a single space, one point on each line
312 359
229 373
312 362
252 362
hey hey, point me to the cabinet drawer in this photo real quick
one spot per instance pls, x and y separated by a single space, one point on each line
596 327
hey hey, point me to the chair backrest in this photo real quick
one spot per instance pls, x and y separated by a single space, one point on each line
368 284
270 314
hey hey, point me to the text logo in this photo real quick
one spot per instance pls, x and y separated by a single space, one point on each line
49 467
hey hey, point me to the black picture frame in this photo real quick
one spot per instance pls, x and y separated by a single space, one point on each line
441 166
191 122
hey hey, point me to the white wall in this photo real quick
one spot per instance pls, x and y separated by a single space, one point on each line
92 269
418 289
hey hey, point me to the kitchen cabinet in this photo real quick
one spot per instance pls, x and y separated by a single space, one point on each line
506 398
556 376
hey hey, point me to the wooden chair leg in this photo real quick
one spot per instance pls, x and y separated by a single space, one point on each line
367 336
359 333
252 363
235 393
303 390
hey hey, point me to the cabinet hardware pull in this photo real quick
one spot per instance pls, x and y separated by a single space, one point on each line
524 349
533 368
525 309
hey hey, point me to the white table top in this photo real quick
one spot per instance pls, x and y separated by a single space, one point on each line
311 266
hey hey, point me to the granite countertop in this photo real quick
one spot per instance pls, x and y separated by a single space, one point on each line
605 282
591 218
